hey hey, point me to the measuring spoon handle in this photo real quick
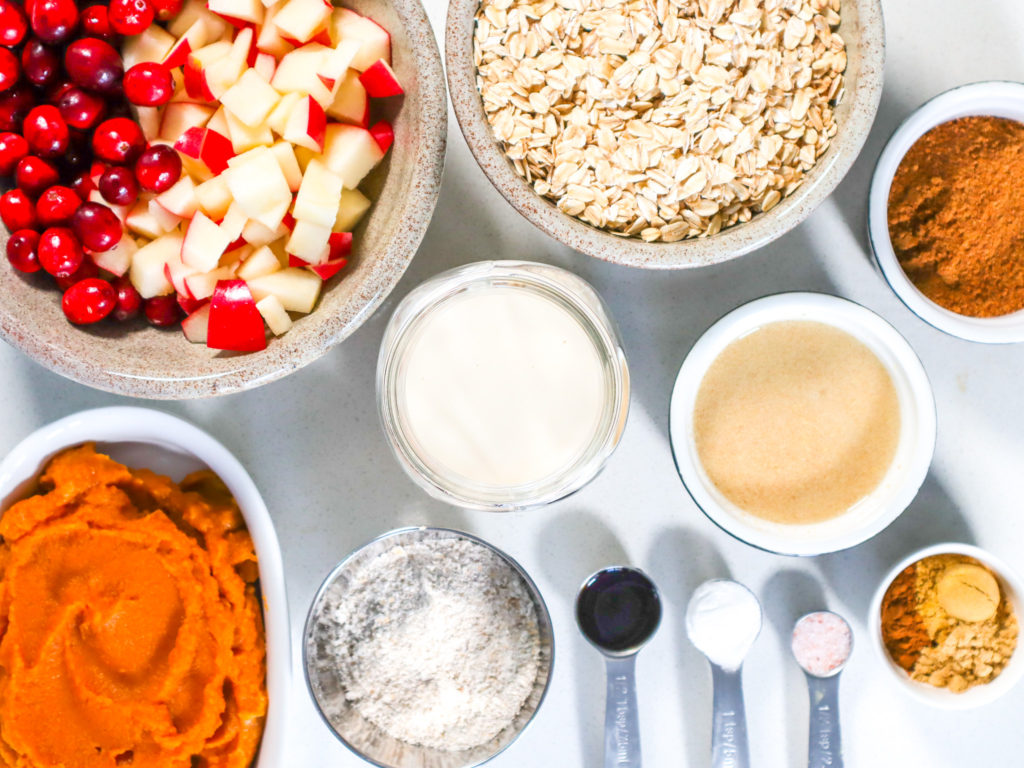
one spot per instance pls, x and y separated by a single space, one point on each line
825 747
621 723
729 727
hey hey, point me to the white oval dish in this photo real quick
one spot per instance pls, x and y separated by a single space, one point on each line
992 98
979 695
913 452
168 445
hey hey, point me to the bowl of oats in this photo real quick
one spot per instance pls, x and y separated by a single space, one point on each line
665 134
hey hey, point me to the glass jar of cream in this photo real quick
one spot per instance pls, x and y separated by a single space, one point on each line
502 385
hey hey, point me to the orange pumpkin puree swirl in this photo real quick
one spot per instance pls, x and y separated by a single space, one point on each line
130 625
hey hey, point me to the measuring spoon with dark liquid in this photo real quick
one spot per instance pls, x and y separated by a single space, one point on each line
618 610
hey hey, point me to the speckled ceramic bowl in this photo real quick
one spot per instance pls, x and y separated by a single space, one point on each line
145 362
861 28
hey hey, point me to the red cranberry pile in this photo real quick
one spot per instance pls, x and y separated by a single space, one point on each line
68 141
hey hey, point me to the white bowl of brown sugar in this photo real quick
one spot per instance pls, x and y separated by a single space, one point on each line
945 622
945 214
802 423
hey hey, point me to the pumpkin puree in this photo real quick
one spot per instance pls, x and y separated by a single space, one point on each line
130 625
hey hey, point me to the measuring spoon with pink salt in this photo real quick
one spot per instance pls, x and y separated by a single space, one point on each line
821 643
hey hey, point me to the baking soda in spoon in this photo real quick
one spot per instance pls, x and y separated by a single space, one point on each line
723 619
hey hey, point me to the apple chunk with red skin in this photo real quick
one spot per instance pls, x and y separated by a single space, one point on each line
381 81
307 125
207 146
235 324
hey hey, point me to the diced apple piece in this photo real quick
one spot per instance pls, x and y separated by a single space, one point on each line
199 66
238 10
222 74
336 62
201 285
251 99
260 262
274 313
196 325
375 41
189 40
147 270
269 39
296 289
214 197
235 323
340 245
307 125
121 211
273 217
234 222
153 44
329 269
175 270
256 234
257 182
309 242
244 137
383 134
289 165
180 199
195 10
301 20
219 122
351 152
319 196
297 72
350 210
205 242
351 103
178 117
167 220
141 221
380 80
234 256
265 64
279 117
118 260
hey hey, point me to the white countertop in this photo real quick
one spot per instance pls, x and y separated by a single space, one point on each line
313 445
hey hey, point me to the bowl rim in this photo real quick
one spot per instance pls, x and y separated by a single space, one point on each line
941 698
998 98
284 355
133 424
868 327
332 575
696 252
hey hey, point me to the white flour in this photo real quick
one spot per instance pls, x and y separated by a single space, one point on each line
438 643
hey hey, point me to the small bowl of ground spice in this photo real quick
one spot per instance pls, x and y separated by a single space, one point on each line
428 648
946 621
945 214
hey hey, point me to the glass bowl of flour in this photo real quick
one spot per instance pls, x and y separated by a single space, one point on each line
428 648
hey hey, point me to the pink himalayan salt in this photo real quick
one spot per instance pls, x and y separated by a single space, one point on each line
821 642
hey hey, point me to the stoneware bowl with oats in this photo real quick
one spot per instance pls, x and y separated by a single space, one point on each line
147 362
665 134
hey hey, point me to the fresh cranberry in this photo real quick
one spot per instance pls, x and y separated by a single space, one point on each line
15 104
80 108
10 69
163 311
40 63
22 250
129 302
148 84
87 271
82 183
34 175
96 226
60 253
46 132
131 17
118 140
13 24
89 301
13 147
167 9
158 168
96 22
56 206
94 64
118 186
53 21
57 89
17 211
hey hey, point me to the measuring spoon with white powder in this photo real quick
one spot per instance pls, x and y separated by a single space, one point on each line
618 610
723 619
821 645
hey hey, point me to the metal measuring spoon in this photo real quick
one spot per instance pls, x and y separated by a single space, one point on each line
618 610
723 619
821 644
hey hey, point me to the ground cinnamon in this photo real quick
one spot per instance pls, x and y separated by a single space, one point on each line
903 630
956 215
